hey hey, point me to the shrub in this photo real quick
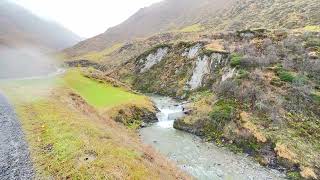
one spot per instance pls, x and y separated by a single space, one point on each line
227 89
222 112
235 60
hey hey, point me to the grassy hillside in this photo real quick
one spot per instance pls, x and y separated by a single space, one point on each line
203 16
70 138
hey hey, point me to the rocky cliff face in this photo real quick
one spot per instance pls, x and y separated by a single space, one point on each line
175 69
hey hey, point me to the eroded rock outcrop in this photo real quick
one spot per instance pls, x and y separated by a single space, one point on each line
193 51
201 69
153 59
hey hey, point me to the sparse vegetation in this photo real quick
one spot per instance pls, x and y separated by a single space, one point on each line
98 56
192 28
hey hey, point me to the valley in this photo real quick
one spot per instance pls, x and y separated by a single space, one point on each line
182 89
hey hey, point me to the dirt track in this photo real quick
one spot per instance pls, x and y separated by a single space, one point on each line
15 160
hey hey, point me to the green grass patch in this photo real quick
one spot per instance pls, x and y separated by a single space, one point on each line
294 175
65 144
284 74
97 94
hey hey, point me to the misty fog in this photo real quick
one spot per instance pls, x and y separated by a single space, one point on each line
24 62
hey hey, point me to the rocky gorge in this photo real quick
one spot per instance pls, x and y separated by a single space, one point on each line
234 83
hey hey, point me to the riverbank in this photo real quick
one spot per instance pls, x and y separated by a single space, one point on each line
201 159
71 134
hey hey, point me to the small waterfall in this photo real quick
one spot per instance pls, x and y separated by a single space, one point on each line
200 159
169 111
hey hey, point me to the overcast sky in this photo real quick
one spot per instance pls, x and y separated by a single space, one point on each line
86 18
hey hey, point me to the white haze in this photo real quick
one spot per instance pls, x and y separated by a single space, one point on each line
24 62
86 18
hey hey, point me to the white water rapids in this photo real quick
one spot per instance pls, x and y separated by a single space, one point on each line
201 159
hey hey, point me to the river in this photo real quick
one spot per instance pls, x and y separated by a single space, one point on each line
200 159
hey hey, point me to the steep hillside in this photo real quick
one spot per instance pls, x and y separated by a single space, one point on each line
255 91
19 27
181 16
169 15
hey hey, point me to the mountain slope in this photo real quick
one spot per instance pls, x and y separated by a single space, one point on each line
169 15
206 16
19 27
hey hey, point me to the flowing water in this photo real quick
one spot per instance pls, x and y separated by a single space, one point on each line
201 159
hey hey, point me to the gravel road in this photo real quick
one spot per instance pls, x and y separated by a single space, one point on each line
15 163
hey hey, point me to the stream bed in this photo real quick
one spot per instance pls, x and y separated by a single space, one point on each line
200 159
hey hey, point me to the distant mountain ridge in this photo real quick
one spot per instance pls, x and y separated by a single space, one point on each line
206 16
19 27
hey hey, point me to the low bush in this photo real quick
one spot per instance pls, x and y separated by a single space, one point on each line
222 112
235 60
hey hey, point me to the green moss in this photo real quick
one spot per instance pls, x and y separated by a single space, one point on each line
294 175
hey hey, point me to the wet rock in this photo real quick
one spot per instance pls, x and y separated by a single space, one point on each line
132 114
196 128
